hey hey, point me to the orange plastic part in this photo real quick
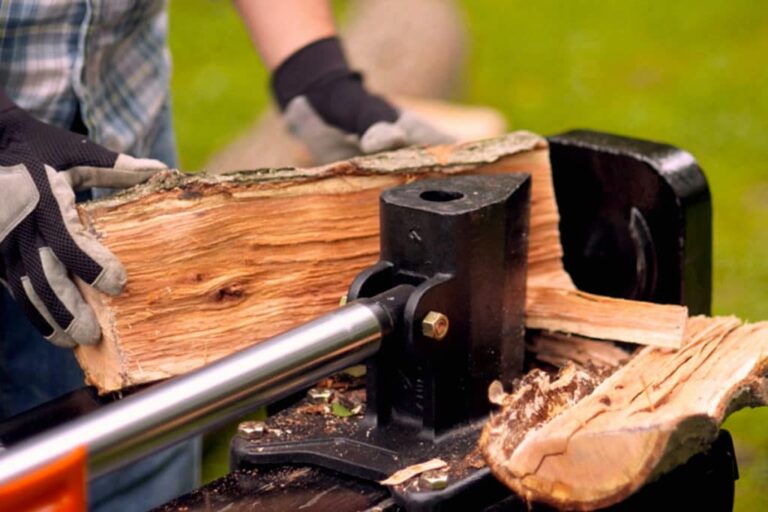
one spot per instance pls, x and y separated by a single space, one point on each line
57 487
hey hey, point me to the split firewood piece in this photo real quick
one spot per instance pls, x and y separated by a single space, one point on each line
661 408
595 316
559 349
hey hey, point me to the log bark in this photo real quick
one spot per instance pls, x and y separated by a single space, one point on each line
588 438
217 263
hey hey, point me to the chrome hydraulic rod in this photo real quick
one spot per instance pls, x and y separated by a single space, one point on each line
167 413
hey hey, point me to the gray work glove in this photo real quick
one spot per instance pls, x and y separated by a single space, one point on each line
326 105
42 242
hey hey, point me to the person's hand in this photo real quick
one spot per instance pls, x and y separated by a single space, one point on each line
326 105
42 242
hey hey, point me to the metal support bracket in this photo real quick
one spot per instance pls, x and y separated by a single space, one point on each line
461 243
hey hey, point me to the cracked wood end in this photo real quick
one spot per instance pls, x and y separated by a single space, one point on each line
583 449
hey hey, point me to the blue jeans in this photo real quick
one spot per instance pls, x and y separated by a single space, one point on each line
33 371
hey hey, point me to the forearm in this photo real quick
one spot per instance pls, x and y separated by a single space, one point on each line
280 27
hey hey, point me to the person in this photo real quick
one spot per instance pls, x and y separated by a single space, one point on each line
85 108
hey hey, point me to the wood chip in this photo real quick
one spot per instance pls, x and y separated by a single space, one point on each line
405 474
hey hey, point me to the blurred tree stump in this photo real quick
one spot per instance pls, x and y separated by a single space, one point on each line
418 54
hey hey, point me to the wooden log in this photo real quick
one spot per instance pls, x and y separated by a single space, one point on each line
216 263
586 440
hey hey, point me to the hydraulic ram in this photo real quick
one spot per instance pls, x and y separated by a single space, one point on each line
167 413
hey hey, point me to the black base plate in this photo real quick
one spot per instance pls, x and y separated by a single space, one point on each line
705 482
302 435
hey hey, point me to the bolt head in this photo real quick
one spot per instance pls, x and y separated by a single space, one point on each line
434 481
251 428
435 325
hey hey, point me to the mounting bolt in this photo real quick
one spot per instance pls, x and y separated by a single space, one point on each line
434 481
252 428
435 325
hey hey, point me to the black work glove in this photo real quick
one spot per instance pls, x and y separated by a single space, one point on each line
42 242
326 105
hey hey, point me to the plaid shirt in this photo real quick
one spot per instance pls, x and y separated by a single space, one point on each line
109 57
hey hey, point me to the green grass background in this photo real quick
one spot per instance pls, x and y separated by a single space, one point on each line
690 73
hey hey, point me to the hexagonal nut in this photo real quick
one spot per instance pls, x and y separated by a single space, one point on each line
435 325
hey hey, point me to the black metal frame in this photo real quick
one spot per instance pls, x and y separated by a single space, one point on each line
461 247
635 218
